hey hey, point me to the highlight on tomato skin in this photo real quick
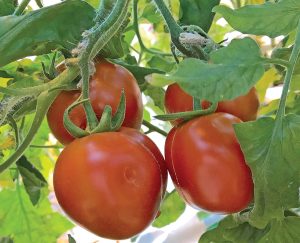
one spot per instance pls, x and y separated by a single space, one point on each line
207 165
110 184
245 107
105 89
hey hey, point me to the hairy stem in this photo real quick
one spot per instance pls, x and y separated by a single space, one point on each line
175 30
154 128
95 42
289 74
44 101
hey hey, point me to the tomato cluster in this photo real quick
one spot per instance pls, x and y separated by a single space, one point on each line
113 183
203 156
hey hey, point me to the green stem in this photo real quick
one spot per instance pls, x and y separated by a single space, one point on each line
20 9
74 130
39 3
187 115
36 90
44 101
289 74
238 3
96 41
136 24
104 9
154 128
140 57
277 61
137 32
107 29
46 146
135 50
89 111
109 122
175 30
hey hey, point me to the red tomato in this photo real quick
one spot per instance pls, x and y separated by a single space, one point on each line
149 144
207 165
105 89
245 107
111 183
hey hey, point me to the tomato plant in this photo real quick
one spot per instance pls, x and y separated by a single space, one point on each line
105 89
118 172
161 62
207 165
245 107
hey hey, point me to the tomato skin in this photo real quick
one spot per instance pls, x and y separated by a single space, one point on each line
244 107
105 89
207 165
110 184
149 144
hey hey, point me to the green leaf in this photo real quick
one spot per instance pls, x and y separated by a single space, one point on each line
234 71
33 180
295 106
198 12
138 72
150 13
25 223
159 80
230 231
286 231
271 19
157 94
272 151
171 209
285 53
161 63
7 7
43 30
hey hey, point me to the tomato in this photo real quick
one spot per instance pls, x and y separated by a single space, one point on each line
245 107
111 183
105 89
149 144
207 165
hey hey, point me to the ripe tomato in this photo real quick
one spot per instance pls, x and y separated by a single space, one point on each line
111 183
245 107
105 89
149 144
207 165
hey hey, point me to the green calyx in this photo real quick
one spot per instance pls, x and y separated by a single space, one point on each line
108 122
188 115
